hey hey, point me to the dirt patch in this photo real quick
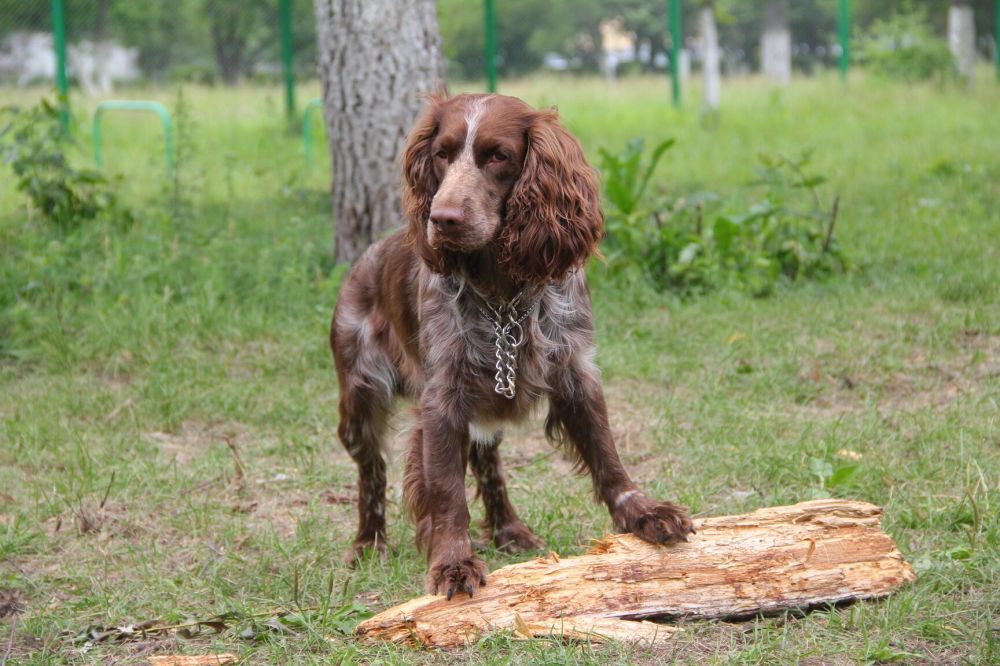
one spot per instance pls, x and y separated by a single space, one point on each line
983 353
273 507
924 382
193 438
11 602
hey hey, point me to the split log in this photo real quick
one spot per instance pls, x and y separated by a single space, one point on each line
196 660
781 558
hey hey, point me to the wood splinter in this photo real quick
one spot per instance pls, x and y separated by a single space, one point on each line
775 559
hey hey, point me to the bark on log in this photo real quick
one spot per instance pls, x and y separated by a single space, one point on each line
775 559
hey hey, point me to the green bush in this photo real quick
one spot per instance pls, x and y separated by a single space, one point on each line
903 47
33 144
697 243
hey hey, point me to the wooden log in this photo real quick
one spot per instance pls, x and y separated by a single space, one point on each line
195 660
780 558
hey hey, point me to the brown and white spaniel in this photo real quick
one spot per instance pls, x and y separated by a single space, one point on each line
476 311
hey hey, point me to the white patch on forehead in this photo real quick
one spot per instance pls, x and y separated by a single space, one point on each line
472 117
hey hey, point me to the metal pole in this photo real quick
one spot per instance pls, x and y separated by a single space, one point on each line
288 58
844 36
996 37
59 41
676 35
491 46
307 132
134 105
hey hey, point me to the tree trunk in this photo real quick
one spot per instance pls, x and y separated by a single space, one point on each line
102 48
375 57
710 40
230 22
776 42
780 558
962 37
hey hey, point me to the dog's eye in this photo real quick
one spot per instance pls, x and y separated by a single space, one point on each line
441 154
498 157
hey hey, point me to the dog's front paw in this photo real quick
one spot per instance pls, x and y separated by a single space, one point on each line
464 575
655 522
516 538
664 523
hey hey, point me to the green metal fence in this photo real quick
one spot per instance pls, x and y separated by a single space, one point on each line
102 45
228 42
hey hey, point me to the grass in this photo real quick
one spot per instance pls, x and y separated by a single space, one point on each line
133 363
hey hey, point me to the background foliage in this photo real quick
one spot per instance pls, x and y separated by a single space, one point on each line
223 41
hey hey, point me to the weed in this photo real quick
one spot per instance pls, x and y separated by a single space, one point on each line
34 145
752 249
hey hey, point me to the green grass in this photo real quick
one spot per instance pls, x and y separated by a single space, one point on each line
128 360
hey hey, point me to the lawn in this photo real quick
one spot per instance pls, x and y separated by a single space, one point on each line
168 410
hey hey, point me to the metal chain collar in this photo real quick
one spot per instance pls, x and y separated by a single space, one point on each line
508 335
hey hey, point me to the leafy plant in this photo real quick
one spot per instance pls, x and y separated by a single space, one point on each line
680 247
625 177
903 47
34 144
829 478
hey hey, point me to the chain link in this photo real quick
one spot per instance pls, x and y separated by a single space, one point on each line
508 335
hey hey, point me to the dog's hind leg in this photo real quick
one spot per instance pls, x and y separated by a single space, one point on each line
367 386
501 521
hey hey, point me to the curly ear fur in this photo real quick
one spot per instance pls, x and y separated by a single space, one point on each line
420 182
554 220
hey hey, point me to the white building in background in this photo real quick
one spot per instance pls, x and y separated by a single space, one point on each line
29 57
619 47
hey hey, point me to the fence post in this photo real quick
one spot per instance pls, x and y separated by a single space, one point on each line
491 46
59 42
288 59
844 36
676 36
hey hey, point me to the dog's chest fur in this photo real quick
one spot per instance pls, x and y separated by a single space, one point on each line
458 346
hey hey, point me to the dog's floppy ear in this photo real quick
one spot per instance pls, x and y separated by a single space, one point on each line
554 220
420 183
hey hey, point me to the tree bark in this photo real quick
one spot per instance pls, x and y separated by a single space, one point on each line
710 66
781 558
229 24
375 57
962 37
776 42
102 48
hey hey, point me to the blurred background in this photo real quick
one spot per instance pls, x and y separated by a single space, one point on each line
117 45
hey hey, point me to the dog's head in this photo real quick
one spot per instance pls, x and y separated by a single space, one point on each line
488 171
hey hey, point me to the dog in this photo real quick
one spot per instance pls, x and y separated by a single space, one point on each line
477 310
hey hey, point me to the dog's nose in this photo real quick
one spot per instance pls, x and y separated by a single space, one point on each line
447 217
